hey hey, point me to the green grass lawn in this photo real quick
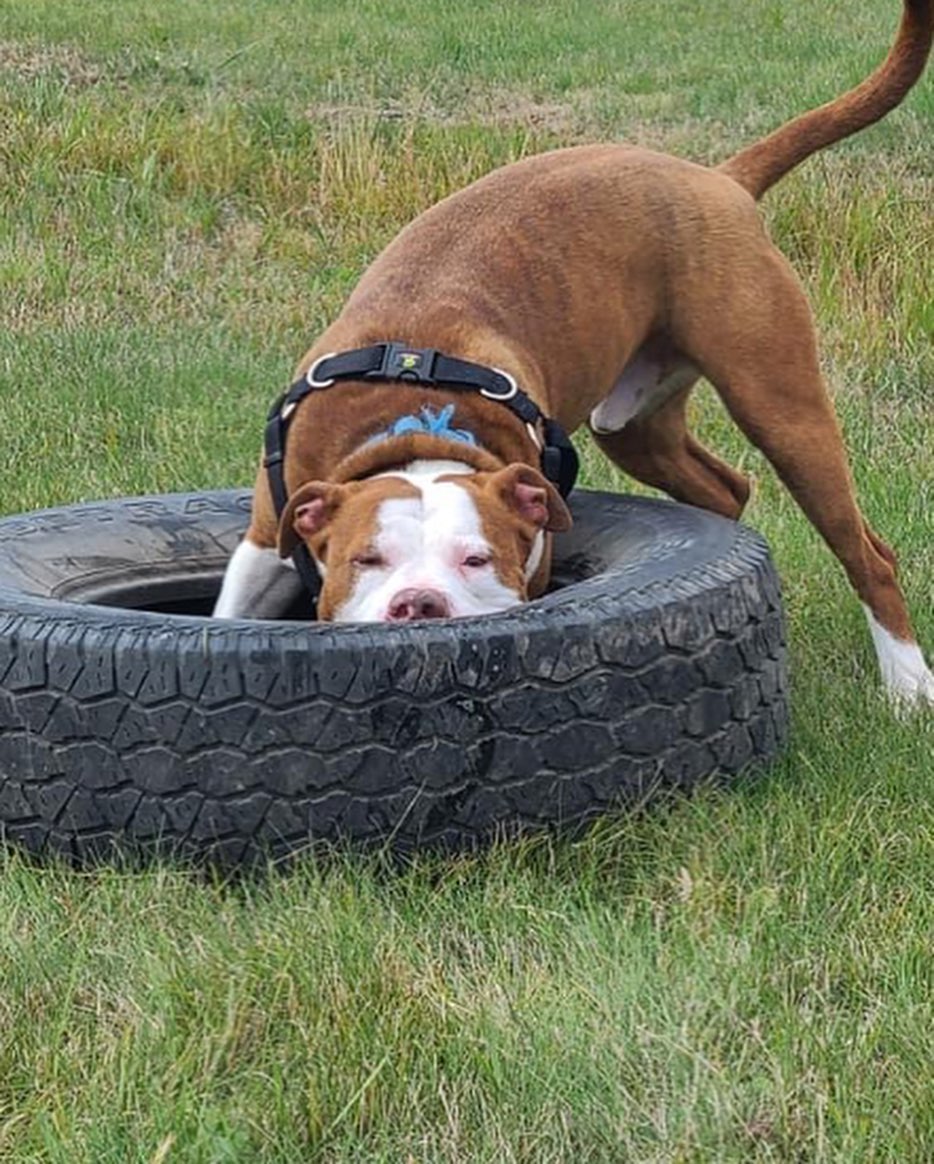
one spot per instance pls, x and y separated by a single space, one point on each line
187 193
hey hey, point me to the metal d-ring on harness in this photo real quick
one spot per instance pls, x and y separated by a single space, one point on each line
391 362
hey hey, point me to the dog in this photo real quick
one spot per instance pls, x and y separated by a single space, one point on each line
419 460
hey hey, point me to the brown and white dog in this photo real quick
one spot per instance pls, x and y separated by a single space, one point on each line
605 280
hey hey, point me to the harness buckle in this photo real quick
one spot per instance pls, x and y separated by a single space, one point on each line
401 362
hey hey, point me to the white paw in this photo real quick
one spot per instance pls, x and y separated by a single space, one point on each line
908 680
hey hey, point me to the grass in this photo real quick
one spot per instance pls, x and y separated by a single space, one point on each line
186 195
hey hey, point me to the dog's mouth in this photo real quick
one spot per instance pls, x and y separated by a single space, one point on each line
195 596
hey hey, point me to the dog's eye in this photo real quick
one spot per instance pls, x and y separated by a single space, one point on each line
477 561
369 560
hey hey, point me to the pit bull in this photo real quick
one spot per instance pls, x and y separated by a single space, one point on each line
419 459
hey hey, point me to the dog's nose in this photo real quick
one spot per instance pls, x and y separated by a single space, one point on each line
418 603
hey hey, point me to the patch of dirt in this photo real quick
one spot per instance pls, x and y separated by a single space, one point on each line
649 120
499 109
26 61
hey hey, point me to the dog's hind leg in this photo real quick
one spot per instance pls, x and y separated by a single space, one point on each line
658 450
758 349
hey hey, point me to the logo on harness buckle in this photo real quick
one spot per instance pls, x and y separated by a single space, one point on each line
405 363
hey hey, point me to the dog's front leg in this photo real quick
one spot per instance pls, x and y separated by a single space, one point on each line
257 583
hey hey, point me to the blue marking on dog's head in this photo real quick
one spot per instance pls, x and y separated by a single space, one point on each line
430 422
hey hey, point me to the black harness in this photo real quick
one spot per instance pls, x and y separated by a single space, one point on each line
391 362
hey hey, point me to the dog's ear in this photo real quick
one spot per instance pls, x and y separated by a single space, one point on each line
309 510
534 498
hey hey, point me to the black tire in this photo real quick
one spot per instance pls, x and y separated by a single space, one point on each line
130 722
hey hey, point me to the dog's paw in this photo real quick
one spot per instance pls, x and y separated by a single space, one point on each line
908 680
911 693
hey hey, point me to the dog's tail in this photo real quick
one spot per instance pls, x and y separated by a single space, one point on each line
760 165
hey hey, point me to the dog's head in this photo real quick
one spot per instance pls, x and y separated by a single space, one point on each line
405 546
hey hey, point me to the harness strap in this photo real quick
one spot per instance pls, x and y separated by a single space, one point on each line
277 428
396 361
